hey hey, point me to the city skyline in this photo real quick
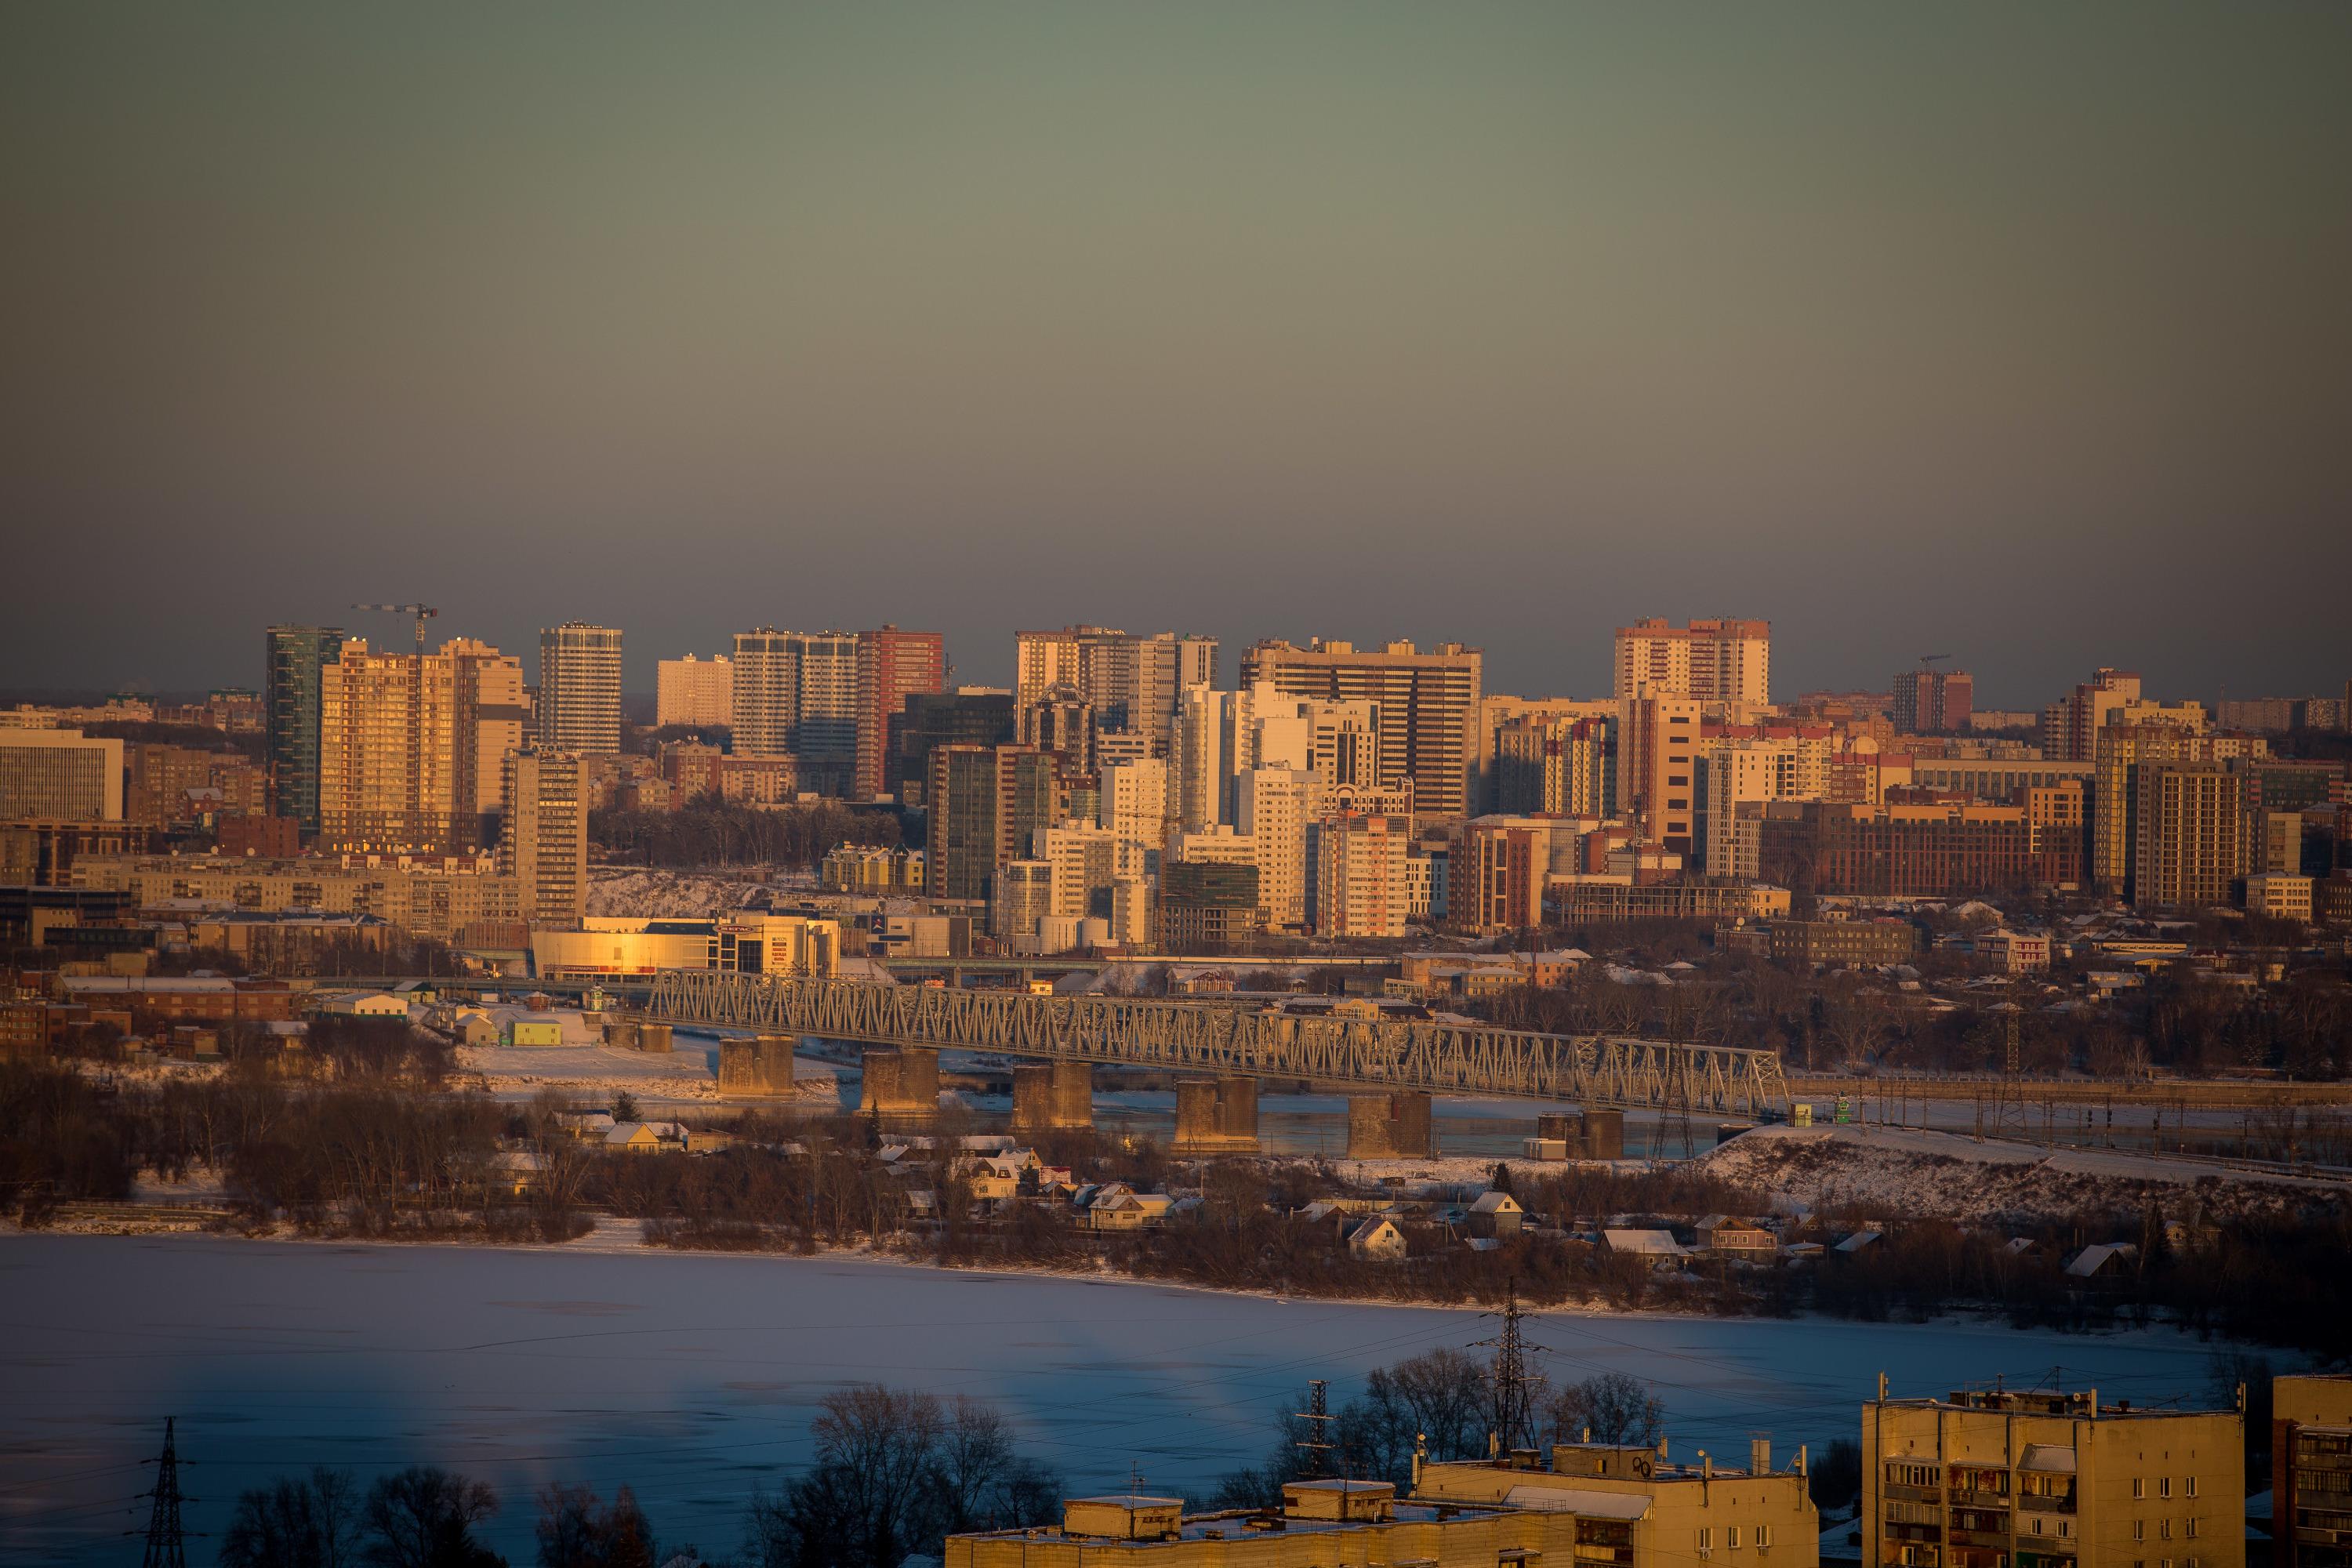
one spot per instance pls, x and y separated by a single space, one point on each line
2013 335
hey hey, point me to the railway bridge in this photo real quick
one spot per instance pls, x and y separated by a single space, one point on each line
1219 1052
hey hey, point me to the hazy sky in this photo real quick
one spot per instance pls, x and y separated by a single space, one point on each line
2020 334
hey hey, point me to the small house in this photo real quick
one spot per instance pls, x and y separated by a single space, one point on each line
1376 1240
1496 1215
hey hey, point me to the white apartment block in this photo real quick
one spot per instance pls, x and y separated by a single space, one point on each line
1711 660
1273 802
695 692
580 689
1084 860
1135 810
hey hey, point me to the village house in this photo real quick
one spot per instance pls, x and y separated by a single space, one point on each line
1739 1240
1497 1215
1376 1240
646 1138
1657 1247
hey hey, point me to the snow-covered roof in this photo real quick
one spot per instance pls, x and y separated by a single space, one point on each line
2094 1258
1497 1203
2048 1458
1649 1242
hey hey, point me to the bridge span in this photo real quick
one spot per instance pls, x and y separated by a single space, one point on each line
1227 1040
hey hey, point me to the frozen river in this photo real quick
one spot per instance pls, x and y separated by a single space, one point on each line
691 1377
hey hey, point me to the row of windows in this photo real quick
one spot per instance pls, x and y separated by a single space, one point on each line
1731 1537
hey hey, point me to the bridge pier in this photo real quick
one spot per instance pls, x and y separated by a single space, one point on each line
901 1083
1216 1116
759 1066
1053 1096
1589 1135
1393 1126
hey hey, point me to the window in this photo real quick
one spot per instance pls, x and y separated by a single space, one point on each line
1706 1538
2192 1485
2191 1530
1763 1536
1731 1538
2164 1486
2140 1529
2139 1486
2164 1529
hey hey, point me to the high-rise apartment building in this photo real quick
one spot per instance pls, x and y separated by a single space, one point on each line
766 686
968 716
1427 705
696 692
1274 807
796 696
291 683
1133 682
1360 875
2049 1480
412 746
825 713
1494 877
1084 862
543 833
1657 766
59 775
2190 835
2135 736
579 707
2070 726
1135 810
1561 768
892 666
984 806
1721 661
1021 895
1933 701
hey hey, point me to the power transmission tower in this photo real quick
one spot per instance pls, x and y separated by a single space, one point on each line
1513 1410
165 1548
1317 1445
2009 1107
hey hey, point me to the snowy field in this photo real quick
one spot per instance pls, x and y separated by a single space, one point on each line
691 1377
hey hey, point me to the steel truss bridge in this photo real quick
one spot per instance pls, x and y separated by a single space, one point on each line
1226 1040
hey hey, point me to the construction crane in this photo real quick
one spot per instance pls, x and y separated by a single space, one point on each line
423 613
1925 660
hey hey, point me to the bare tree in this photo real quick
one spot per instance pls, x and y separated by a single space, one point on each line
298 1523
1613 1407
423 1517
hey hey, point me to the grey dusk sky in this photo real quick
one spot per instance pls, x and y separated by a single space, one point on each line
2017 332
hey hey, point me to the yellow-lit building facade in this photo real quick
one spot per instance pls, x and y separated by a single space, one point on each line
1633 1508
2311 1472
2049 1480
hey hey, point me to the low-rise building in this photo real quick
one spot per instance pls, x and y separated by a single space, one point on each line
1630 1506
2311 1471
1321 1523
2049 1480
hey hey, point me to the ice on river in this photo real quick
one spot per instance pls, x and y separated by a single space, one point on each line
691 1377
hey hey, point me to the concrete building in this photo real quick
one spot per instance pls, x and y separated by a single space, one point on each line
765 684
892 666
968 716
2070 726
1135 812
412 746
2280 895
2189 834
1132 682
292 657
1360 875
1940 850
1558 766
2049 1480
1632 1506
1021 895
697 692
59 775
1933 701
1208 907
745 942
1494 877
1657 766
2311 1471
579 703
1720 661
437 898
984 807
1427 704
2121 749
1084 862
1273 817
543 836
